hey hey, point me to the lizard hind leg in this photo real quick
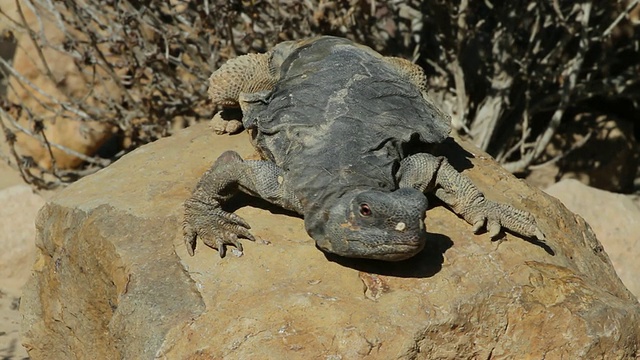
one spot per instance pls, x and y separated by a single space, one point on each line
245 74
409 71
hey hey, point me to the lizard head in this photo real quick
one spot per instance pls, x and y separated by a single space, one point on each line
374 224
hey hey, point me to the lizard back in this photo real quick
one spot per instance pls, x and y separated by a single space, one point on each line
339 117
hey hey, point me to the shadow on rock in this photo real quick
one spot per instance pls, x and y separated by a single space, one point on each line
543 244
425 264
241 200
456 155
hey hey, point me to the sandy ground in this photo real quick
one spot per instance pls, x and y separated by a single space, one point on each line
11 278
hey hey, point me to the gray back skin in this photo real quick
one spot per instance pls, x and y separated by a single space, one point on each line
339 120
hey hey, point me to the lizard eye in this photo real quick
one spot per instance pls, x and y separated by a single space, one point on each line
365 210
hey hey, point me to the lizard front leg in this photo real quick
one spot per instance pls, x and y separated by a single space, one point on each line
203 215
429 173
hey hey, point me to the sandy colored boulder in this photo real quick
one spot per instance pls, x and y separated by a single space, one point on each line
614 219
113 278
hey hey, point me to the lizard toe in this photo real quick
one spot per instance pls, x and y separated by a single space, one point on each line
232 219
221 246
493 228
245 233
223 239
478 224
190 239
221 233
216 228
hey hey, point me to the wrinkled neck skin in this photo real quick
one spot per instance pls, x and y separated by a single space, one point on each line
369 223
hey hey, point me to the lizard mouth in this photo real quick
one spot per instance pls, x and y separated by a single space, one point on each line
375 247
398 252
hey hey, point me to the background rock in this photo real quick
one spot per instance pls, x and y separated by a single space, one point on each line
614 219
598 150
61 127
113 278
17 241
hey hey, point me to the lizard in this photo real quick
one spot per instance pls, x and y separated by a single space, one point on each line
343 133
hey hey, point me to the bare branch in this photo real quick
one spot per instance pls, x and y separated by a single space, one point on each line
508 72
632 4
569 84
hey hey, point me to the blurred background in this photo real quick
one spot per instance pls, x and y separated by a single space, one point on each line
549 88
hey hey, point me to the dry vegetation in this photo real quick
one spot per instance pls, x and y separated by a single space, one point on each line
509 73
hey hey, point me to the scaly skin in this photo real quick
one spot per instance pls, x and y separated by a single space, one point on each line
428 173
204 217
339 127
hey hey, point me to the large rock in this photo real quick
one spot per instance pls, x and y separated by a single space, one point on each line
615 221
113 279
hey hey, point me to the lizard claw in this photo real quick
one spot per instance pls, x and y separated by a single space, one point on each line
493 228
221 125
214 226
478 225
491 223
496 216
221 243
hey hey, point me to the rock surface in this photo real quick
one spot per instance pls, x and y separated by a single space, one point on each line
614 219
113 278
